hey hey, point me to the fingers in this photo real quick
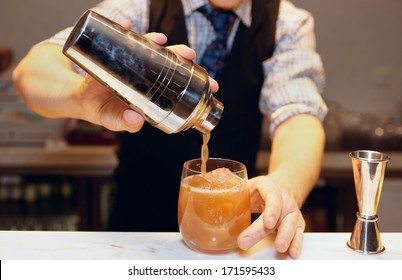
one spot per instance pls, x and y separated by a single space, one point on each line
158 38
253 234
297 243
273 209
290 234
291 238
126 23
267 200
181 50
280 214
213 85
265 224
189 54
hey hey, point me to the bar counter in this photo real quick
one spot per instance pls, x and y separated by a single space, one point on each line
53 245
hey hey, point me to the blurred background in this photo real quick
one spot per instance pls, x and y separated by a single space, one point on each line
56 174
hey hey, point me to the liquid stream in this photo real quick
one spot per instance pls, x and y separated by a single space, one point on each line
204 151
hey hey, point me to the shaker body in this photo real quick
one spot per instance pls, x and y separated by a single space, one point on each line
171 93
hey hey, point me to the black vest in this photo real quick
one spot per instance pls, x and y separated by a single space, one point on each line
151 161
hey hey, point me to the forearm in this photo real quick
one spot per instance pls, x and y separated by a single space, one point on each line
47 84
296 157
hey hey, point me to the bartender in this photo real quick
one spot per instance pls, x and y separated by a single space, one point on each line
271 68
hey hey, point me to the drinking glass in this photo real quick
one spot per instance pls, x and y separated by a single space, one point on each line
214 205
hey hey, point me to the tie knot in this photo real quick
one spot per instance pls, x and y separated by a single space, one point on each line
222 20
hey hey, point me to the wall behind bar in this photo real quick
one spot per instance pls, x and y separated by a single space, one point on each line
361 45
24 23
359 41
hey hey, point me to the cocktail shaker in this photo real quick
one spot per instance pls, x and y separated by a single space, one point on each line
172 93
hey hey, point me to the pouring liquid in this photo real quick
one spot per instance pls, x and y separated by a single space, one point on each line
204 151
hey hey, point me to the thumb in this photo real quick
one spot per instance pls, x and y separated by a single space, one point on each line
132 121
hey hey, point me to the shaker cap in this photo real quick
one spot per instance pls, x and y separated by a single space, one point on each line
211 118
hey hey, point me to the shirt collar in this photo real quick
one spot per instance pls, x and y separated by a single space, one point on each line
243 11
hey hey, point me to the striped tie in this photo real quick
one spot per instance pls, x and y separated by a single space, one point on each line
215 54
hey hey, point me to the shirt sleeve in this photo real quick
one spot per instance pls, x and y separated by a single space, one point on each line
294 75
120 11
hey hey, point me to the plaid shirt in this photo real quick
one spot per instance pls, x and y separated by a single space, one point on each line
294 75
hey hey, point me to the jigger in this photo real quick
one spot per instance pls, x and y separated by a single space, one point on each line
368 171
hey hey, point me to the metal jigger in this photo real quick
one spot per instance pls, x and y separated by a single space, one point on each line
368 170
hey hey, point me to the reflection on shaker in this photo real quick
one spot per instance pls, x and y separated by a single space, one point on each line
172 94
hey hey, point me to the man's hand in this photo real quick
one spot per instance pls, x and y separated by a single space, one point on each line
280 215
101 107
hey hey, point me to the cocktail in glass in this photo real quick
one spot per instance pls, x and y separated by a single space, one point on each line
214 205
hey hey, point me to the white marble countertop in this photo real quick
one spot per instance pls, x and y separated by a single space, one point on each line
44 245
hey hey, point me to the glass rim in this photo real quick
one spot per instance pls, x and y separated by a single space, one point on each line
242 167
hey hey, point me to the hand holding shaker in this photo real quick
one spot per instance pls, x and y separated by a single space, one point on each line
171 93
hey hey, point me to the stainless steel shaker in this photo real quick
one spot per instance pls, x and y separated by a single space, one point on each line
172 93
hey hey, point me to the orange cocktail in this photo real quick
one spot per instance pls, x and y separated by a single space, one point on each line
214 207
